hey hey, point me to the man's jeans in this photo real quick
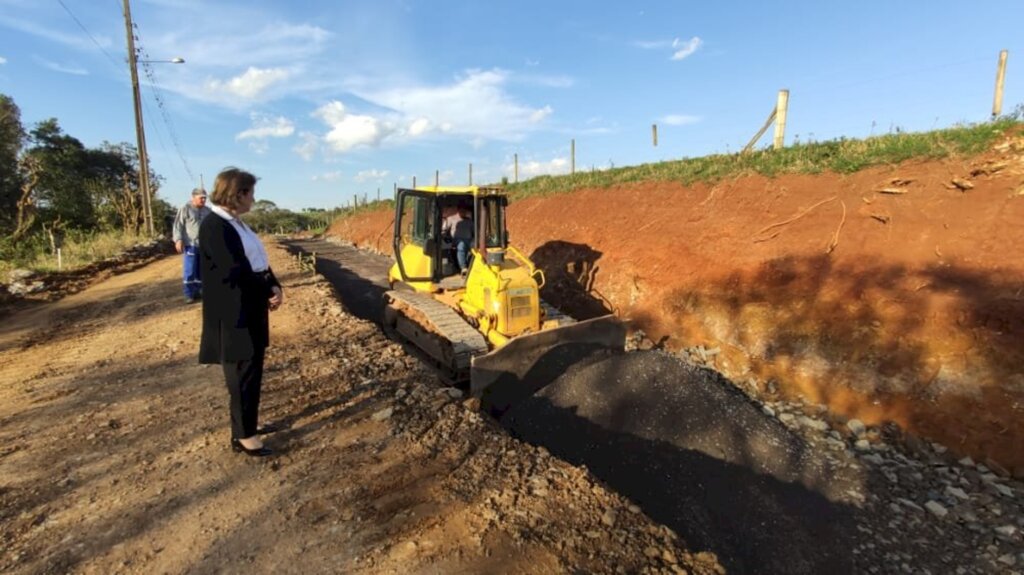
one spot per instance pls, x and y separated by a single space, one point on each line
462 253
190 272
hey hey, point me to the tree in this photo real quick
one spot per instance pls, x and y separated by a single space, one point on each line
12 139
113 185
25 206
264 206
62 190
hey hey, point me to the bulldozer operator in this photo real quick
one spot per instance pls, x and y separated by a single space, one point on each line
457 228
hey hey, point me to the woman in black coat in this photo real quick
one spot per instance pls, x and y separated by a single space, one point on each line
239 289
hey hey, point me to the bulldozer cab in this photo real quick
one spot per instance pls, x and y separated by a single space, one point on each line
425 248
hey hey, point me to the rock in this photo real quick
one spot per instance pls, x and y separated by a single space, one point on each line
18 275
669 557
383 414
873 458
856 427
862 445
910 504
453 392
957 492
1008 559
1006 530
812 423
997 468
609 518
966 462
936 509
652 552
962 184
1003 490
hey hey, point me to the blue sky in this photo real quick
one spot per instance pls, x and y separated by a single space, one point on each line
324 100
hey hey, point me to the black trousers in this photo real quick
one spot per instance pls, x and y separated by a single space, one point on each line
244 379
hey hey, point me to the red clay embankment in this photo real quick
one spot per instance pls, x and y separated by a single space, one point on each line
892 294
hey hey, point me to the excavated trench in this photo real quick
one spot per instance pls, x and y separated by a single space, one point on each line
682 442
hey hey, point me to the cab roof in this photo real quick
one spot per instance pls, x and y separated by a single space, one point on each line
467 190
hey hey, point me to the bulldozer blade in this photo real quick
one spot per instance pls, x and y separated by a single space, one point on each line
530 362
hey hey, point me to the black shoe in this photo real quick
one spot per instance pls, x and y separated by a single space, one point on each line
237 447
268 428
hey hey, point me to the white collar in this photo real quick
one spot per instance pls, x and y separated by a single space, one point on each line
221 212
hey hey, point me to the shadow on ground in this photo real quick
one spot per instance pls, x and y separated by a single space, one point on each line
359 277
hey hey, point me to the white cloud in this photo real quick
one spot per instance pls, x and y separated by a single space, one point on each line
74 70
272 43
75 39
685 49
249 85
328 177
547 81
348 131
534 168
308 145
266 127
367 175
653 44
259 147
538 115
680 49
474 106
679 119
419 126
3 60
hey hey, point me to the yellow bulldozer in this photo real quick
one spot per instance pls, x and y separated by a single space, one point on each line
485 325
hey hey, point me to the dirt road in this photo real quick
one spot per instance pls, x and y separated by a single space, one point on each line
114 454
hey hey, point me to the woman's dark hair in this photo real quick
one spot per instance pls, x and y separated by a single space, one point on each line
230 185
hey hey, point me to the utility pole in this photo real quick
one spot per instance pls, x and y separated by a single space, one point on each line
147 200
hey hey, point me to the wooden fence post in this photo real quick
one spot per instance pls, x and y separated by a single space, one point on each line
572 156
997 103
471 173
780 119
437 178
654 134
515 161
414 182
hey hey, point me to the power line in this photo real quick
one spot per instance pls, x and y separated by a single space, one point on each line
156 90
87 33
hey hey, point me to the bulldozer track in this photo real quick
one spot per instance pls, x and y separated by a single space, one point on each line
462 340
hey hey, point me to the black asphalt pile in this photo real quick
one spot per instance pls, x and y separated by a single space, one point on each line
699 456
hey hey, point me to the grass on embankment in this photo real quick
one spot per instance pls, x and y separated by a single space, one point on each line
78 249
842 156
